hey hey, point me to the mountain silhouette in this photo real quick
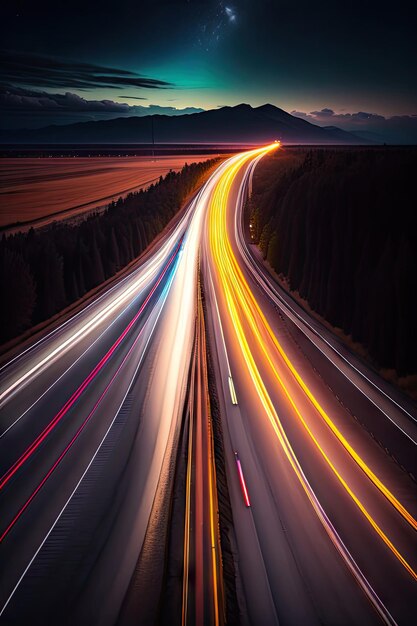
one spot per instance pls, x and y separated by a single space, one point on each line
241 124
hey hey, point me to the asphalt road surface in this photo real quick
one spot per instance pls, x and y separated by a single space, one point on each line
319 450
330 533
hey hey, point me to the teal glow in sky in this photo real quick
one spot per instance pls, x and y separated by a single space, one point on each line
297 55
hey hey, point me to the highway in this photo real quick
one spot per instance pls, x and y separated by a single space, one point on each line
318 450
88 415
330 533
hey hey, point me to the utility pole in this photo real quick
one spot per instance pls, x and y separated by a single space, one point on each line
153 138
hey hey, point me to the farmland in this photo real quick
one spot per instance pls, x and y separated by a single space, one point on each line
37 191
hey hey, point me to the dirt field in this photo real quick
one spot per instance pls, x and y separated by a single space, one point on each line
41 190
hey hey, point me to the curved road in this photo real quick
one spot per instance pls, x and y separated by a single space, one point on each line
324 514
330 536
87 417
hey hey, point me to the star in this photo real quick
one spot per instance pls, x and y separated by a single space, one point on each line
230 13
214 28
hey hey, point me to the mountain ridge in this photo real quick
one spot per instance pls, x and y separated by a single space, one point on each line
230 124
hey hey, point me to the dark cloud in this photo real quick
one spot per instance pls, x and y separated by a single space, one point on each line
323 113
21 99
329 114
394 129
279 52
23 107
45 72
132 97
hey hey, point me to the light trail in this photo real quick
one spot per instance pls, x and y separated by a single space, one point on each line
96 452
280 433
76 395
145 272
244 313
329 422
80 429
235 291
201 495
170 359
73 364
306 328
253 306
242 481
213 505
187 513
233 275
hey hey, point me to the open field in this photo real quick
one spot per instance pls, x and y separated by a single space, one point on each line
41 190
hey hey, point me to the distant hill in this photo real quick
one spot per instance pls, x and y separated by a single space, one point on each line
370 136
343 136
238 124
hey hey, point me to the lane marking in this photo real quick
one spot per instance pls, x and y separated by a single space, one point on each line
232 390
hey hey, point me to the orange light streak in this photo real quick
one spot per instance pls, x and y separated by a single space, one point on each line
242 306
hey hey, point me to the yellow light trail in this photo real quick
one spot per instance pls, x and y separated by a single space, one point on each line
238 294
332 426
200 419
211 474
187 513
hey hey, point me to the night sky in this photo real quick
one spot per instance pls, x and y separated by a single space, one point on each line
351 65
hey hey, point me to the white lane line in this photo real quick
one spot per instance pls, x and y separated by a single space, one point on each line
233 448
230 377
232 390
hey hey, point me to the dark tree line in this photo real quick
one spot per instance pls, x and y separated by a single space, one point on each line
341 225
43 271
